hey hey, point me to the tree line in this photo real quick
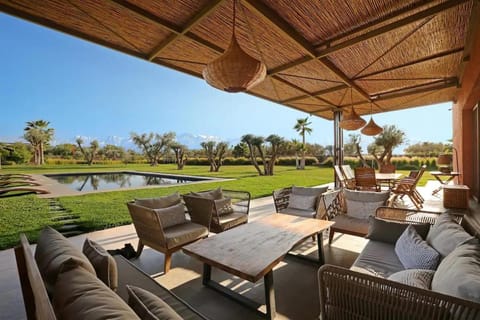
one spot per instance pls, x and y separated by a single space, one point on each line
263 152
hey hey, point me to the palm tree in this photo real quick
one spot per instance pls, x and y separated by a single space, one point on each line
302 127
38 134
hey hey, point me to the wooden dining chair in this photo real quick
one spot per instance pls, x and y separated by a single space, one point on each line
408 187
365 179
349 176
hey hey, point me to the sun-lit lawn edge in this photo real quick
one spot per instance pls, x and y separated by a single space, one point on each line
107 209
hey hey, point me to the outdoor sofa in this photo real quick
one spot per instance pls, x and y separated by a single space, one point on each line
61 282
380 286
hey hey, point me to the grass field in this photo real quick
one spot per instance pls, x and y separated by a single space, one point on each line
107 209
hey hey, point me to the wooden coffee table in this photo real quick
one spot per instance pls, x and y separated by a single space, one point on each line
252 250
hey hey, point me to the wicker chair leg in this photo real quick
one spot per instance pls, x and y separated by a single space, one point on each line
168 262
139 248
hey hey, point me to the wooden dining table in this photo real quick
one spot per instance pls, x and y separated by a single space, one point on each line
252 250
387 178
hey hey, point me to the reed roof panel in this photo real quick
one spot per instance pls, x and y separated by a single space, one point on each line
387 50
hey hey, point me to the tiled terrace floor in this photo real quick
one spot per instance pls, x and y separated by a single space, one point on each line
295 282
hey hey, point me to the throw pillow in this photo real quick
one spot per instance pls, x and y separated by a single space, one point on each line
81 295
148 306
459 273
414 253
362 204
215 194
53 249
104 264
390 231
419 278
223 206
160 202
171 216
302 202
308 191
445 235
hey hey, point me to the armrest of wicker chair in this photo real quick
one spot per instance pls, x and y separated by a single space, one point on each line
240 200
410 215
281 198
347 294
331 203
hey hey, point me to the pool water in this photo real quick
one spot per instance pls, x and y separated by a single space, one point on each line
118 180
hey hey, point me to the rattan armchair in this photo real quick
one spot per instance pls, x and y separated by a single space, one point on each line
166 240
221 214
281 200
347 223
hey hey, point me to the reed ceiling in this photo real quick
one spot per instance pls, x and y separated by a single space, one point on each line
397 54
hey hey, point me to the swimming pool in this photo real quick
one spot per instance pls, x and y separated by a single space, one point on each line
118 180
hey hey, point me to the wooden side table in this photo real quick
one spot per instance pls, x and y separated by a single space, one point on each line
440 176
455 196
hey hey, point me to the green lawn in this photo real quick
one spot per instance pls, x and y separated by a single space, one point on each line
106 209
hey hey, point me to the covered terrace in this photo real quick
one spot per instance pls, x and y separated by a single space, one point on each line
322 57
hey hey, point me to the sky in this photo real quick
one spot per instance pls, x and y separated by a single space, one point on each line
87 90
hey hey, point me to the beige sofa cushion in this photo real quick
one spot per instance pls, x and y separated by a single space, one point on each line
160 202
104 264
459 273
53 249
362 204
223 206
80 295
171 216
302 202
445 235
215 194
419 278
148 306
184 233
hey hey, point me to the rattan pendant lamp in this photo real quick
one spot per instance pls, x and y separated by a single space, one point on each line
352 121
371 129
234 70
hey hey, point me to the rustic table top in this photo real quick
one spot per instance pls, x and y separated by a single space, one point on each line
251 250
387 176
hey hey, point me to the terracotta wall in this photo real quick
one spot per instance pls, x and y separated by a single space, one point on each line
468 97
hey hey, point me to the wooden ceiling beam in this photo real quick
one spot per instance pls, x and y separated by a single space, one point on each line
411 63
276 21
392 26
432 86
175 30
316 93
196 19
329 48
276 77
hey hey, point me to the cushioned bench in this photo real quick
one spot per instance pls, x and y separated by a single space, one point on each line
39 306
407 270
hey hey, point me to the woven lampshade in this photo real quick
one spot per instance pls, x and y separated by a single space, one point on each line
352 121
371 129
235 70
445 159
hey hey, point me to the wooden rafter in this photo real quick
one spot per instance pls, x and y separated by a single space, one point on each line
411 63
392 26
431 86
275 20
316 93
176 33
301 90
